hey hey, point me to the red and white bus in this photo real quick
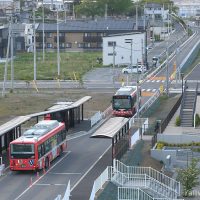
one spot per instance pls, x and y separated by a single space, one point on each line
124 102
38 146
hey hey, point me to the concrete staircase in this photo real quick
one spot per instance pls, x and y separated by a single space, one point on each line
188 106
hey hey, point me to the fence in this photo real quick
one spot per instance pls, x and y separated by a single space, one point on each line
95 118
100 181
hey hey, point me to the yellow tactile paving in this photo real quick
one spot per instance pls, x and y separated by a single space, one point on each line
156 78
147 94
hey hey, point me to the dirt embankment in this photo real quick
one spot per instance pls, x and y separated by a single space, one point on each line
26 102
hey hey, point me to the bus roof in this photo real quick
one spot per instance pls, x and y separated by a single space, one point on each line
38 130
126 90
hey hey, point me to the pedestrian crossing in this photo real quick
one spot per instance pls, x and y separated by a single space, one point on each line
148 92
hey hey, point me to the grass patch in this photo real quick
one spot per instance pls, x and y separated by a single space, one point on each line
72 65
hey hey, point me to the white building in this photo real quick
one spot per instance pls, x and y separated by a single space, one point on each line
156 11
121 45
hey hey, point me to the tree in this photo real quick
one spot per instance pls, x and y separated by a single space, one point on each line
89 8
98 7
189 177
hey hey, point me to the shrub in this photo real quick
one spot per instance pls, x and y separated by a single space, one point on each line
178 121
197 120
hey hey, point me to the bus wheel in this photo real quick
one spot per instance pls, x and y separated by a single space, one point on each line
61 151
46 163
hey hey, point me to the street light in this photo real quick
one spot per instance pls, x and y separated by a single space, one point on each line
182 76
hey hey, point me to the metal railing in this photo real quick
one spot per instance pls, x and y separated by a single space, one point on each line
127 193
100 181
160 177
143 181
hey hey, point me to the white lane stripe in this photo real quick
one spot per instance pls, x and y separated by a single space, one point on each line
148 81
42 176
154 90
90 169
143 90
148 90
158 81
153 81
65 173
163 81
50 184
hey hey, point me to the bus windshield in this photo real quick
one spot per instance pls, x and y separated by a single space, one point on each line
121 103
22 150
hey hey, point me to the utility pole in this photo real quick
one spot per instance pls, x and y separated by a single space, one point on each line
43 43
144 25
130 41
106 11
167 72
168 23
12 66
153 28
114 53
6 64
136 25
58 47
65 11
35 77
137 86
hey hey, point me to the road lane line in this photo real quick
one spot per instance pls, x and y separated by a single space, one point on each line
64 173
90 168
42 175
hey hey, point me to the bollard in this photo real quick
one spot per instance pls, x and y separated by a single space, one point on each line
31 181
38 175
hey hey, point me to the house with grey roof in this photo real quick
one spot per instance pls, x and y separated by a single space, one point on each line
83 34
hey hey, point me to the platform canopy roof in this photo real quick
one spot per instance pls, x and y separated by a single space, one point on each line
111 127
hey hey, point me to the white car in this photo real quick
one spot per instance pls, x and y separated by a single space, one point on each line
133 69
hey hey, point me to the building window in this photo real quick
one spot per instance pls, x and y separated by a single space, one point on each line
49 35
49 45
80 45
100 34
62 34
99 45
87 34
111 43
62 45
87 45
29 41
110 54
68 45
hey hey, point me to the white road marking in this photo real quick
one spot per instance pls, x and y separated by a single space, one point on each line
89 169
48 184
42 175
65 173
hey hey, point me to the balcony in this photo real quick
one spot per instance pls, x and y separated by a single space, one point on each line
61 39
91 39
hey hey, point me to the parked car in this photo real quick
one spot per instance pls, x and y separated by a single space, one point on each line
133 69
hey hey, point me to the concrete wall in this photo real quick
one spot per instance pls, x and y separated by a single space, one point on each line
178 139
161 155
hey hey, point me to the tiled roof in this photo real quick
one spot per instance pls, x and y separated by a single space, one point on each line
92 25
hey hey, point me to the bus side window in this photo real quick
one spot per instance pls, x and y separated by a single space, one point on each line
39 152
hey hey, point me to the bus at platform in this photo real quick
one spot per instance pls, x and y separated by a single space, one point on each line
38 146
124 102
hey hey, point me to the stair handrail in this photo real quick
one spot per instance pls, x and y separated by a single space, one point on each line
166 180
183 99
143 179
194 105
145 195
